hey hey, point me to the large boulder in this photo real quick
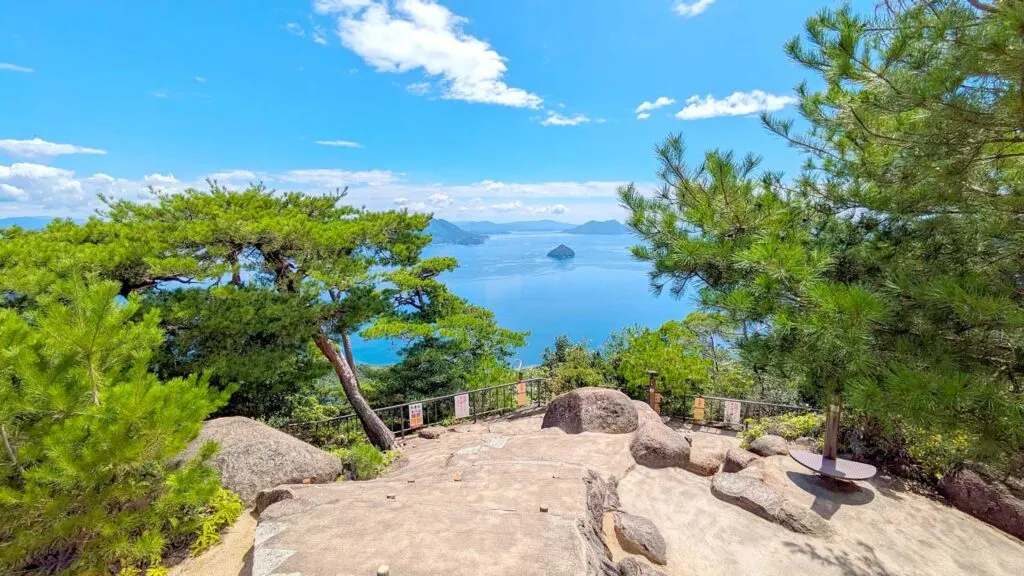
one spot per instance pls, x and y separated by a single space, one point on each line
704 462
638 535
1000 504
654 444
770 445
752 494
632 567
254 457
737 459
592 410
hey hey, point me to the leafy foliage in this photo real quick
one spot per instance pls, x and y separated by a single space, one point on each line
789 426
87 477
572 365
887 275
223 509
363 461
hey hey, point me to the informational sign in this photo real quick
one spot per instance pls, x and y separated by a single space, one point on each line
698 408
732 412
415 415
462 406
521 394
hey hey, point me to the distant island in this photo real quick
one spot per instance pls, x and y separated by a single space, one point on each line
444 232
562 252
600 227
485 227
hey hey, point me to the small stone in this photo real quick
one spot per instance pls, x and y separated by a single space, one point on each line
633 567
384 570
432 433
543 508
638 535
391 496
457 477
411 480
770 446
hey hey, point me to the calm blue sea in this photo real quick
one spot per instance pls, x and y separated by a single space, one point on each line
600 291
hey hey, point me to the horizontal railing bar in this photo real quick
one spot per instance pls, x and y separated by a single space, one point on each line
791 406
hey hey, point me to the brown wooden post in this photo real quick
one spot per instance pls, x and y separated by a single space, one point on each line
652 391
831 432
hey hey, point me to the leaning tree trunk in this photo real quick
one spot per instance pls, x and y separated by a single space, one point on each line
377 432
348 351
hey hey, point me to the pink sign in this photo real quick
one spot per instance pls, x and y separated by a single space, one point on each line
462 406
415 415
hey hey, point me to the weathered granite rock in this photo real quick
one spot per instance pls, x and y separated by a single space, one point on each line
654 444
592 410
752 494
737 459
633 567
808 444
997 503
431 433
638 535
271 496
704 462
254 457
769 445
599 493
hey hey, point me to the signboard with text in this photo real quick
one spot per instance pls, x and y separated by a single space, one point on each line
698 408
415 415
461 406
521 394
732 412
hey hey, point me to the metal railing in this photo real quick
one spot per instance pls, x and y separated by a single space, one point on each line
714 410
493 400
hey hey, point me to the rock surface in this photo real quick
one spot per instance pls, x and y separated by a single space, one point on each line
752 494
704 462
638 535
634 567
432 433
989 500
654 444
808 444
254 457
769 445
592 410
737 459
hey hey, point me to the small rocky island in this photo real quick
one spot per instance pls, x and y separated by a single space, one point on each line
563 252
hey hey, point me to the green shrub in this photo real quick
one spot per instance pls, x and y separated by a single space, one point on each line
789 426
363 461
223 510
88 482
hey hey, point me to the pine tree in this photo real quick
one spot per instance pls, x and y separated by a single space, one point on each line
888 274
88 480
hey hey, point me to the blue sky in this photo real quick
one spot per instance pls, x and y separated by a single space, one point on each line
471 109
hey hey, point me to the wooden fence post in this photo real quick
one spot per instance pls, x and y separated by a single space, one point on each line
653 398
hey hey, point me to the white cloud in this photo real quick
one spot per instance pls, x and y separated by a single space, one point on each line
421 34
318 35
162 94
295 28
659 102
735 104
15 68
11 192
419 88
440 199
691 9
556 119
200 79
336 6
37 148
339 143
643 116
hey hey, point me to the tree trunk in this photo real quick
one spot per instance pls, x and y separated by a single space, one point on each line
376 431
348 351
831 432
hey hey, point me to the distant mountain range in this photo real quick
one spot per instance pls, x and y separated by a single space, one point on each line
444 232
600 227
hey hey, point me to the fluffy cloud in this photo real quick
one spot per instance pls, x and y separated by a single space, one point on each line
318 35
333 178
735 104
556 119
15 68
659 102
419 88
339 143
691 9
421 34
39 148
200 79
440 199
295 28
643 116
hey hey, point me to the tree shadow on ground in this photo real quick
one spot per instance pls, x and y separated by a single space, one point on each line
527 413
865 562
683 425
830 494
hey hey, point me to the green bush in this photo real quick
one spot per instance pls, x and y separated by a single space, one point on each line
363 461
223 510
88 481
789 426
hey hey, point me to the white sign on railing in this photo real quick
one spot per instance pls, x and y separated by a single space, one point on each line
732 412
462 406
415 415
